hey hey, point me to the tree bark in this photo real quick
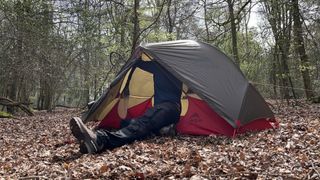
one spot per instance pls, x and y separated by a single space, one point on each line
87 55
279 17
233 32
10 103
206 20
136 25
47 65
170 20
300 48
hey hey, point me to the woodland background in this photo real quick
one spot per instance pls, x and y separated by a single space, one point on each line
66 52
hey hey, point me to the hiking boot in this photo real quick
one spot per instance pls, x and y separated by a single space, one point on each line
168 130
86 137
82 148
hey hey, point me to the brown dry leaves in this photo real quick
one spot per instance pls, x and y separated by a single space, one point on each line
43 147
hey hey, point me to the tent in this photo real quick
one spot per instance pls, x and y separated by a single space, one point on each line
216 97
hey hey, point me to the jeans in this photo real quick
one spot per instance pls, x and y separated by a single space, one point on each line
151 121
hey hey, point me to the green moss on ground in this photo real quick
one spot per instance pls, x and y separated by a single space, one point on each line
4 114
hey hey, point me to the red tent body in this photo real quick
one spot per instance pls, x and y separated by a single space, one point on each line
200 119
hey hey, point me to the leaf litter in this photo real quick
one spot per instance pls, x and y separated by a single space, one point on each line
42 147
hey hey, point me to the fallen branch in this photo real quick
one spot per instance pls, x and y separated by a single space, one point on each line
65 106
313 166
8 102
34 177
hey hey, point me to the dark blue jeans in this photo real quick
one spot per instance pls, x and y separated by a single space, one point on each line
151 121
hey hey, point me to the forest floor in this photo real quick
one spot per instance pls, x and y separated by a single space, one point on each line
42 147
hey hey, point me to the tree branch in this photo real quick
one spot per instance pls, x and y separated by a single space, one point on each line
154 22
8 102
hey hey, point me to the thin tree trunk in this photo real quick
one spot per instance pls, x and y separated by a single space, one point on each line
206 20
274 71
170 20
136 25
279 17
87 55
12 95
300 48
286 78
233 32
18 58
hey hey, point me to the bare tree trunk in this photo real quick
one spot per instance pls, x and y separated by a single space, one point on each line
12 95
40 101
86 68
47 66
136 25
233 32
170 20
285 74
48 103
273 73
123 20
87 54
206 20
19 54
300 48
279 17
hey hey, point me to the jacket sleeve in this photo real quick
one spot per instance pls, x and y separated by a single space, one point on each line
148 66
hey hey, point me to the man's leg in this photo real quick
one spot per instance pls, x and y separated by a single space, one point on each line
152 121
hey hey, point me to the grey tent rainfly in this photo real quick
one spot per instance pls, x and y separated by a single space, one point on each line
216 96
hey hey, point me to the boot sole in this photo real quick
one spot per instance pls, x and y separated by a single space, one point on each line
83 136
